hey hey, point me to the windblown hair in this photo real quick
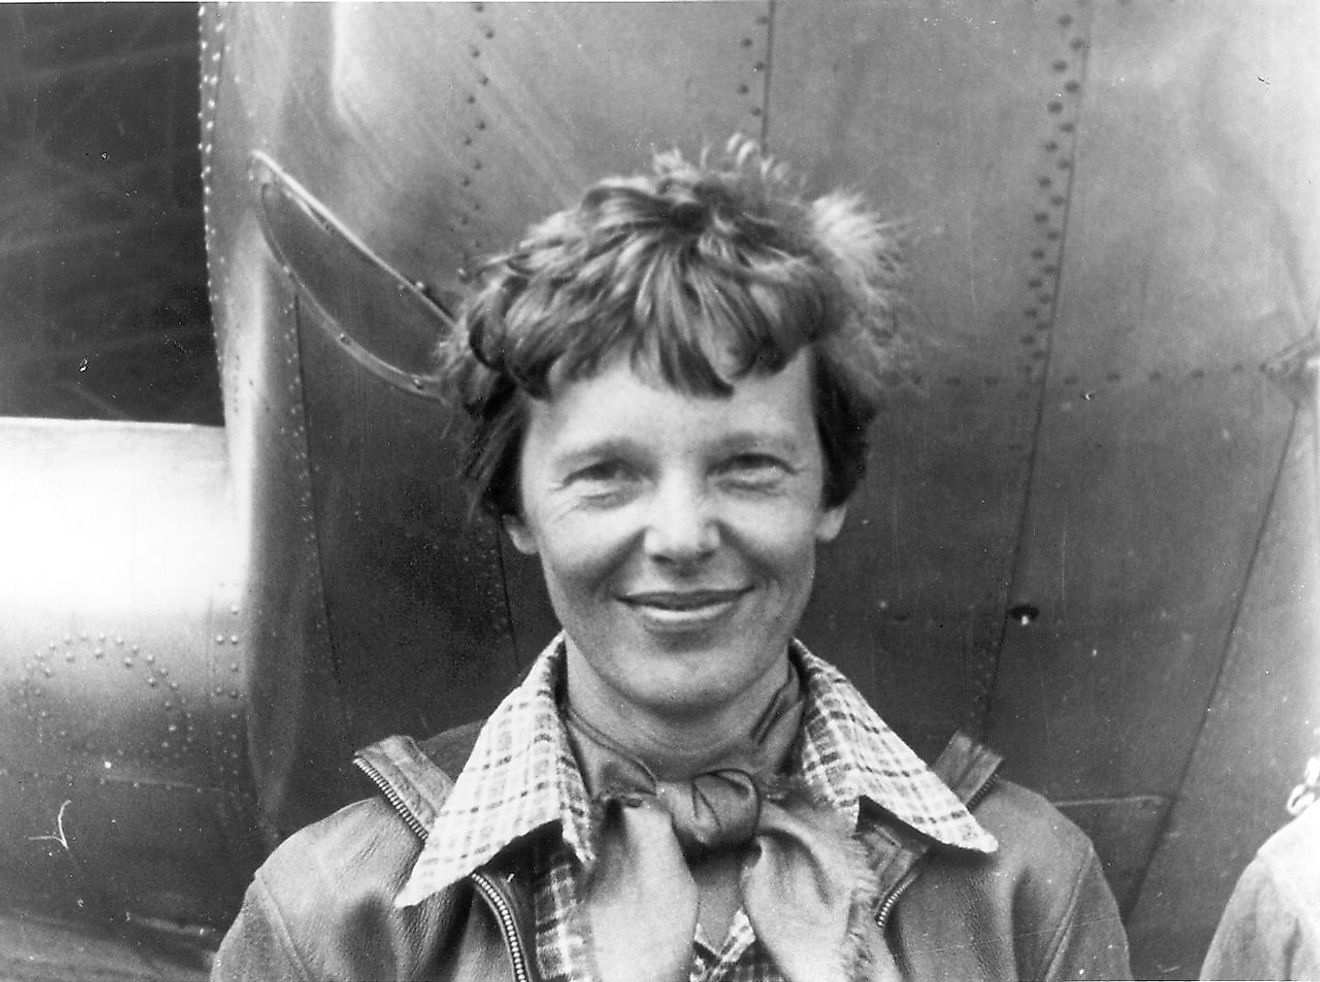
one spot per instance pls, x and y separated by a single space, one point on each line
699 274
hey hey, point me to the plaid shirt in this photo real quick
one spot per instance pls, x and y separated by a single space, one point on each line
522 776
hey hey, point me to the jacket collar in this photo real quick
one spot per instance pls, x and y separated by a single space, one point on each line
849 753
521 776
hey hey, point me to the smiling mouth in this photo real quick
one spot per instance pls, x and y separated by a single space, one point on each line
683 600
666 611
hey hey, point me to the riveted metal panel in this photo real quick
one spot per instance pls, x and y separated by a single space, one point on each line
1161 441
125 777
298 741
437 132
963 130
960 122
520 107
1193 236
430 133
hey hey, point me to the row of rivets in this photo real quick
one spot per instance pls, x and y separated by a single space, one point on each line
71 655
227 694
1094 387
212 51
1052 185
225 688
752 89
298 489
468 230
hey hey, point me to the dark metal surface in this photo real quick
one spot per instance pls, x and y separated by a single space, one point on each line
961 130
1191 254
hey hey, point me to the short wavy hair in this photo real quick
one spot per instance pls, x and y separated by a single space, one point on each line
700 274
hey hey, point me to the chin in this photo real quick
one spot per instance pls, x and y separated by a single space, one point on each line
689 700
696 684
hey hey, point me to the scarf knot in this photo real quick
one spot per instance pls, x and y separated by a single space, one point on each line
805 883
714 810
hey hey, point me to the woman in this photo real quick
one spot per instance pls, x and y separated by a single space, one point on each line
670 386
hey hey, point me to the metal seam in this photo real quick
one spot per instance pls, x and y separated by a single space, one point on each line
1162 831
983 714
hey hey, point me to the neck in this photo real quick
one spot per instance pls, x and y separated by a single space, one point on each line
675 742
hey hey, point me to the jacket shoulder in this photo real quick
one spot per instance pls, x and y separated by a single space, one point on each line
1018 817
416 778
1037 908
322 905
1031 831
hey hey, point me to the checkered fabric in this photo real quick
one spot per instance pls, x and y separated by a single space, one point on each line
522 776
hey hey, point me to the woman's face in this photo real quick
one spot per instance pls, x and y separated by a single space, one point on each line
677 533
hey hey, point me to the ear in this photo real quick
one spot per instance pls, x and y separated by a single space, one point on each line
830 522
520 535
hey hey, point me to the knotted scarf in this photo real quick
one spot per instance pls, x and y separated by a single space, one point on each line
805 884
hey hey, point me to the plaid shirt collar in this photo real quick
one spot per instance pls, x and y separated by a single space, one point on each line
521 776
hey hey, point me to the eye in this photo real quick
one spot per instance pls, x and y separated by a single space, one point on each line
603 479
755 470
603 470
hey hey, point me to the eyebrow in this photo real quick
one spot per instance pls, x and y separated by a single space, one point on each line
776 441
595 449
782 442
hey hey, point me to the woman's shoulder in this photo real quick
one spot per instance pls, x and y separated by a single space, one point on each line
1038 907
322 904
338 844
1030 828
382 833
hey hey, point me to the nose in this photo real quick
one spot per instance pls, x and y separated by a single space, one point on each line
681 524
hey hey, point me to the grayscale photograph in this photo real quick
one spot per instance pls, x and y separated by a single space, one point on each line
751 491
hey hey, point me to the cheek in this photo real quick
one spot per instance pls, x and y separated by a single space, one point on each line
788 518
782 541
582 551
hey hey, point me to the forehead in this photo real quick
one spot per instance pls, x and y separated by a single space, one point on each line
617 403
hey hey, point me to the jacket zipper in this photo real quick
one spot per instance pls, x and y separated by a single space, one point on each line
508 926
981 792
392 796
488 890
882 915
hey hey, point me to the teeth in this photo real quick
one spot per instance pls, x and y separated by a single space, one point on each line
685 603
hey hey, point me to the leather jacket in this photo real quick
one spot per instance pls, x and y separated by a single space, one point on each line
322 906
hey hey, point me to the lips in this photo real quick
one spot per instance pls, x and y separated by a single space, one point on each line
679 613
683 600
